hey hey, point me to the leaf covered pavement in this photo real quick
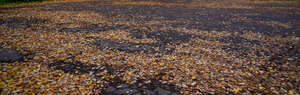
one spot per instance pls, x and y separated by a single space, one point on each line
151 47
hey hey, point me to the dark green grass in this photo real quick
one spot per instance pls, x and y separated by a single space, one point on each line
275 0
18 1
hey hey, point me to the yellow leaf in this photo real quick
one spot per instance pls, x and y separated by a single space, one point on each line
88 54
61 58
12 86
164 77
37 57
274 91
111 55
194 77
291 92
145 63
70 45
36 86
156 73
112 76
223 87
154 63
167 72
161 63
91 82
130 72
2 84
237 90
221 79
202 63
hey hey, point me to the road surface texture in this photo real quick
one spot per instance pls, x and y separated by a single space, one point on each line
150 47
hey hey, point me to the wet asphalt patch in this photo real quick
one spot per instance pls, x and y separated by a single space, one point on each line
78 68
117 86
93 28
163 37
288 55
201 18
140 87
72 67
22 22
207 19
164 40
132 47
72 30
151 86
9 55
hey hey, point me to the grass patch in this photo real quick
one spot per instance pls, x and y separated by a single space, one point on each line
275 0
18 1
